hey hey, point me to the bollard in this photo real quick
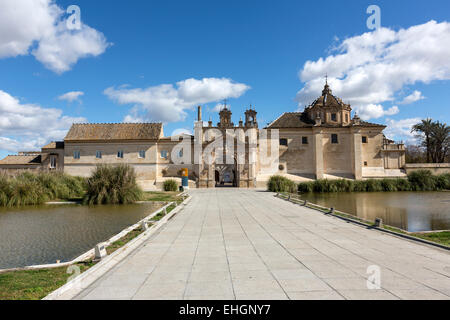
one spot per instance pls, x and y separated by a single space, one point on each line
332 211
306 203
144 226
378 222
100 251
289 198
165 211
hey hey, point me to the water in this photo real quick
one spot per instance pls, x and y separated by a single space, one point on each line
41 235
411 211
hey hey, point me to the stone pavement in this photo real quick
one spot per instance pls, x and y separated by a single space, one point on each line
243 244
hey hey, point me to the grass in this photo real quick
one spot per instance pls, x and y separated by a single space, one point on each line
422 180
170 185
34 188
442 237
34 284
161 196
113 185
124 240
281 184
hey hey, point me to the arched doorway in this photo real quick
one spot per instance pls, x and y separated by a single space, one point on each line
225 175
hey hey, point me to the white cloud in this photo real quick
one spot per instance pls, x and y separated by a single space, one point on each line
181 131
375 111
218 107
71 96
401 129
39 27
413 97
22 125
374 67
169 103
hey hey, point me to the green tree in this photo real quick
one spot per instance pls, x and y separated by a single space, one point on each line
424 129
439 142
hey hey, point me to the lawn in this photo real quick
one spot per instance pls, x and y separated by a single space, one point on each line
161 196
34 284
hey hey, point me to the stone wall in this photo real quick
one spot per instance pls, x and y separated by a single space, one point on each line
435 168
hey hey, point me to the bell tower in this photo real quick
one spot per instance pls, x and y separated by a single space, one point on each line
225 118
250 118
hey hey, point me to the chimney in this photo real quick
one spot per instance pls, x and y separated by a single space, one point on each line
199 113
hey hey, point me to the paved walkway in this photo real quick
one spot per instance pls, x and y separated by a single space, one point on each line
239 244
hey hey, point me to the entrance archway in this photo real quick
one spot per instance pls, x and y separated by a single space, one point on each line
225 175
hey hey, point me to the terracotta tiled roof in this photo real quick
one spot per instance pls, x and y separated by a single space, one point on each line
54 145
114 131
300 120
292 120
22 160
369 124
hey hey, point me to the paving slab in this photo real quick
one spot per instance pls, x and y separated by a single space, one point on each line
248 244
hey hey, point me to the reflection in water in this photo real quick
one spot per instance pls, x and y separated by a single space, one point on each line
412 211
41 235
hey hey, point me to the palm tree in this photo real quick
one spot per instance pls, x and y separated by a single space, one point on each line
440 142
424 129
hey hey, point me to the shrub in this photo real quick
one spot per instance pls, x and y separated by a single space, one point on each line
422 180
30 188
389 185
360 186
112 185
403 184
281 184
305 187
344 185
443 181
373 185
25 191
170 185
4 190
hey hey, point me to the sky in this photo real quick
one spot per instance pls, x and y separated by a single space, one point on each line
155 61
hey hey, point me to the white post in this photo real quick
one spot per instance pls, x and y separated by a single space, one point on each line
100 251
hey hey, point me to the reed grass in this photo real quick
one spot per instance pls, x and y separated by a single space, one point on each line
281 184
112 185
34 188
422 180
170 185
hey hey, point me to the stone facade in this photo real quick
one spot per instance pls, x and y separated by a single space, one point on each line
321 142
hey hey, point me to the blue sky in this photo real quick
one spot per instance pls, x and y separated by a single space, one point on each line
261 47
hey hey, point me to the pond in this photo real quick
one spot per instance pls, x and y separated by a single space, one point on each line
44 234
411 211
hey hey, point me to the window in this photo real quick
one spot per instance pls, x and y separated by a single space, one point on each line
346 117
365 163
52 162
283 142
304 140
164 154
180 154
334 139
120 154
142 154
98 154
364 139
333 117
76 154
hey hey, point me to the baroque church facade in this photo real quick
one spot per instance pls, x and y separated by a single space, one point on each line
323 141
